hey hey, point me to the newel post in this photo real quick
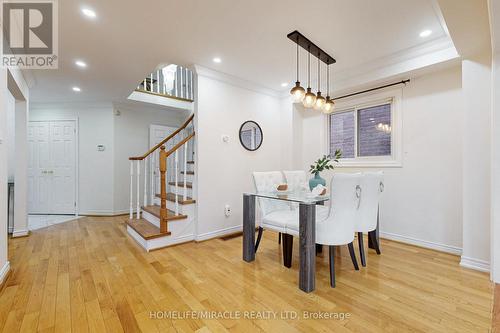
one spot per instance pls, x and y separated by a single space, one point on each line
163 193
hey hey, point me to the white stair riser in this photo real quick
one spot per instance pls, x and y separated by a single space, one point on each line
151 218
187 210
180 190
190 178
183 209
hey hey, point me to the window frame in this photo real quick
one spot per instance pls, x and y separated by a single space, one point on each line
392 97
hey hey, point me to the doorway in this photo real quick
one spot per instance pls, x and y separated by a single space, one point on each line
52 167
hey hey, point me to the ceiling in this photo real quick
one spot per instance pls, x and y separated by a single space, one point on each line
129 39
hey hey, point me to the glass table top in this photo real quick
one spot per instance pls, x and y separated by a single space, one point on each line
296 196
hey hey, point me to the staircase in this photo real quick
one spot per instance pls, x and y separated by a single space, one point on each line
162 208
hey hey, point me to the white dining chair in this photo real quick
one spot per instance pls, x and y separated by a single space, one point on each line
372 185
338 227
296 180
274 214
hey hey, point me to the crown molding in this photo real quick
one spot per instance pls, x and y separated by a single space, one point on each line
407 61
74 105
235 81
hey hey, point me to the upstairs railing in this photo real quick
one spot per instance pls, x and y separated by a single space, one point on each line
170 81
160 167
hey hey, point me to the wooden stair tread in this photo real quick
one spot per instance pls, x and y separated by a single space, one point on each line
155 211
180 199
188 173
190 162
181 184
146 229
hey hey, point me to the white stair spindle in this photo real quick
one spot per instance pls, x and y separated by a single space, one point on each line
146 181
176 162
152 176
158 81
151 86
163 82
145 85
131 189
138 212
185 170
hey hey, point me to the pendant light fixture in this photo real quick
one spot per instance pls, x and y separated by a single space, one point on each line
298 91
320 100
310 97
329 103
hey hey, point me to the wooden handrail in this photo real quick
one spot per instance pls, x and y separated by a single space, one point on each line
177 146
152 150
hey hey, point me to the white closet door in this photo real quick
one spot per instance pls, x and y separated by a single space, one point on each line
39 180
52 167
62 158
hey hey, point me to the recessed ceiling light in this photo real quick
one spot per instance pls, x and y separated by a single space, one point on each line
425 33
80 63
77 89
89 13
284 84
217 60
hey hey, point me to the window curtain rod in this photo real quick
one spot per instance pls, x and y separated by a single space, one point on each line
372 89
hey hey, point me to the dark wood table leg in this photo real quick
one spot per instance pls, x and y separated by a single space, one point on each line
376 233
307 247
248 227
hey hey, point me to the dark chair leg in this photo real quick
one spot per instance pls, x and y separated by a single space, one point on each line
279 238
373 237
259 236
332 265
353 256
361 249
287 250
319 249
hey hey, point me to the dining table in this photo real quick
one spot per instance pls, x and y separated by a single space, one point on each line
307 230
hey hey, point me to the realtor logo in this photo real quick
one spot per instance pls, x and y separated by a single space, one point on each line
29 34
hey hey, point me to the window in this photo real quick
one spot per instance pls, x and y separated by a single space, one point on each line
365 132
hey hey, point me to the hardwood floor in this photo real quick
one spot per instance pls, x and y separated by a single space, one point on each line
496 310
88 275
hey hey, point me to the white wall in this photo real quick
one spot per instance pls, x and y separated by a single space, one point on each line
10 138
494 7
95 126
495 172
131 138
4 264
225 169
423 199
476 78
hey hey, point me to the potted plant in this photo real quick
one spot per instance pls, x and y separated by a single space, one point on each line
324 163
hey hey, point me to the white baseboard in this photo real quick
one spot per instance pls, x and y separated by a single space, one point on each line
477 264
103 212
20 233
422 243
4 272
218 233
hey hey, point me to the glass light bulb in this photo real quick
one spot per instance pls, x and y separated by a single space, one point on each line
329 106
298 93
320 101
309 99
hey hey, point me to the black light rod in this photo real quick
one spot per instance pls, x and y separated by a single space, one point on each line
372 89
